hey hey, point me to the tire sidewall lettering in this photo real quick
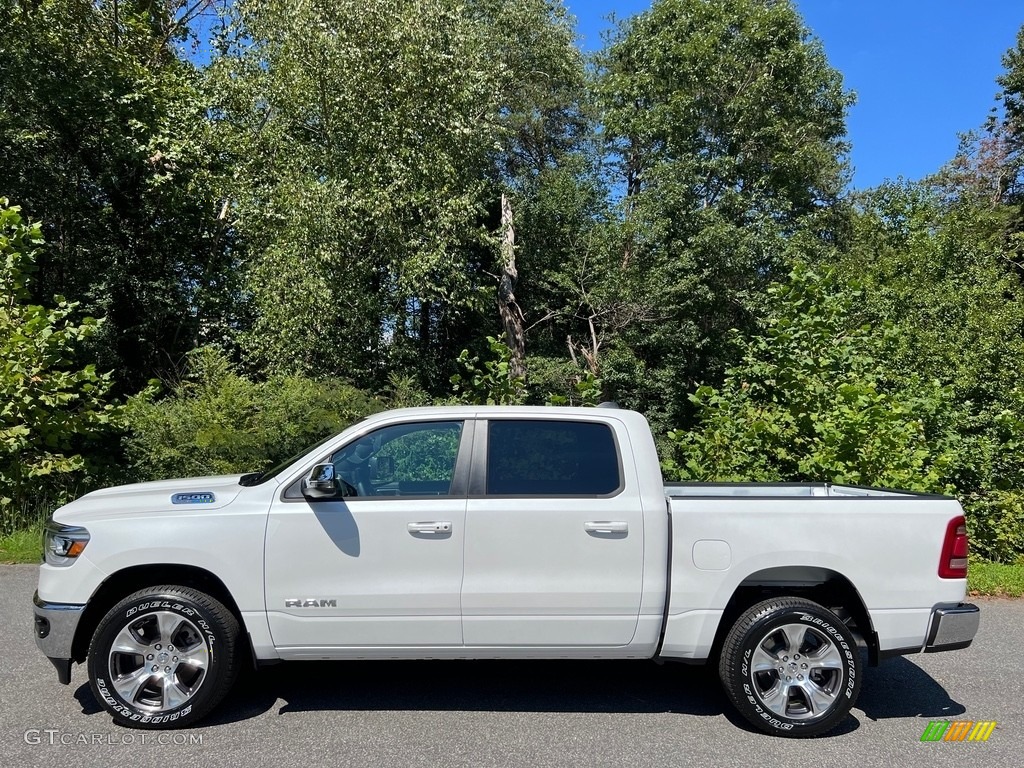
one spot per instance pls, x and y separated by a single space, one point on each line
133 612
744 689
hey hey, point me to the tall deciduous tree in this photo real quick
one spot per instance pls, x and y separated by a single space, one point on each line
102 135
355 127
1008 132
543 126
373 143
726 125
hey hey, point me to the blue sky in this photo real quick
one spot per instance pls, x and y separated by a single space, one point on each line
923 71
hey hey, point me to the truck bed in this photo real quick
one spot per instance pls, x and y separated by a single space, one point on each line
883 544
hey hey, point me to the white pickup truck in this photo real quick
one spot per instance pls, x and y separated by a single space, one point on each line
497 532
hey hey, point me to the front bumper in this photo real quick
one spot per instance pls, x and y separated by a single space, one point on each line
55 626
952 627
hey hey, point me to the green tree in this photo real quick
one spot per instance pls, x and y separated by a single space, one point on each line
937 271
103 137
935 265
1001 156
355 128
726 127
987 172
372 143
50 409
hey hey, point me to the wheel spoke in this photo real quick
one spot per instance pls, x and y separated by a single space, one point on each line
126 643
168 624
818 699
197 657
794 634
776 698
826 657
763 661
173 696
128 686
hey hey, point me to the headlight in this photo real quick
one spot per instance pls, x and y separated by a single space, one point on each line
62 544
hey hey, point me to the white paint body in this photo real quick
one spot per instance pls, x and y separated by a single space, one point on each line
514 576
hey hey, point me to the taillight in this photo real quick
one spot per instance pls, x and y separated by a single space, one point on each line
953 564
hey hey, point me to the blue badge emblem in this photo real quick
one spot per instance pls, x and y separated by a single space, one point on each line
204 497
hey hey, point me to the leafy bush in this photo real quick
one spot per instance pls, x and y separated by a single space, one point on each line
216 421
816 398
50 409
556 381
488 382
996 525
809 401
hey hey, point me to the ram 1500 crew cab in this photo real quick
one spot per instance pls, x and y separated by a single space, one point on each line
497 532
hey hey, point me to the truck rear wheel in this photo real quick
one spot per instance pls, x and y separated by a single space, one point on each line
791 667
163 657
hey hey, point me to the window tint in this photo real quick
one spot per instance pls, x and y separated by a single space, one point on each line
556 458
402 460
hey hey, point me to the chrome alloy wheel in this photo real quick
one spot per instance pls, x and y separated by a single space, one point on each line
158 661
796 671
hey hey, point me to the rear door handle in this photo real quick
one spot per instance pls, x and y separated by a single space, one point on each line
605 527
439 527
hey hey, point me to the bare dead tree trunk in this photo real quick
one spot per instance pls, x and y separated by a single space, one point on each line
590 352
508 309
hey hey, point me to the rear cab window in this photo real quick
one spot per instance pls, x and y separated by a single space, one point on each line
537 457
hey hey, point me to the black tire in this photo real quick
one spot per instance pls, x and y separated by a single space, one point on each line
164 657
791 667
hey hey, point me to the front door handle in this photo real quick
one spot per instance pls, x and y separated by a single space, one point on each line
439 527
605 527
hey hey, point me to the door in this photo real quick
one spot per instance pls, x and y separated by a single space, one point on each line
554 537
381 566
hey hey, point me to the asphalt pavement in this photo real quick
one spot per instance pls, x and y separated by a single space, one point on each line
486 713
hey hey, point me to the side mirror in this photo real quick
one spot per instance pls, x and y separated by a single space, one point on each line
321 483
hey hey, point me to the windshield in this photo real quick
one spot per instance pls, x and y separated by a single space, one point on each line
256 478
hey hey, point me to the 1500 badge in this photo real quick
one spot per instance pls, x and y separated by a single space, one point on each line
203 497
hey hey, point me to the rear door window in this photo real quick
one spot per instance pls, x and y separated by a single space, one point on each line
551 458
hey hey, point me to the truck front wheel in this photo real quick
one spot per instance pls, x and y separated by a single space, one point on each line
163 657
791 667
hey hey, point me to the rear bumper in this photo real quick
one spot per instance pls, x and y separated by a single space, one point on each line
952 627
55 626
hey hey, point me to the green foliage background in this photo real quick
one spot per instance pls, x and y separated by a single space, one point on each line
286 215
51 410
216 421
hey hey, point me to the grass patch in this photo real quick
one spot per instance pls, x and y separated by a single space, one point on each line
996 579
22 546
